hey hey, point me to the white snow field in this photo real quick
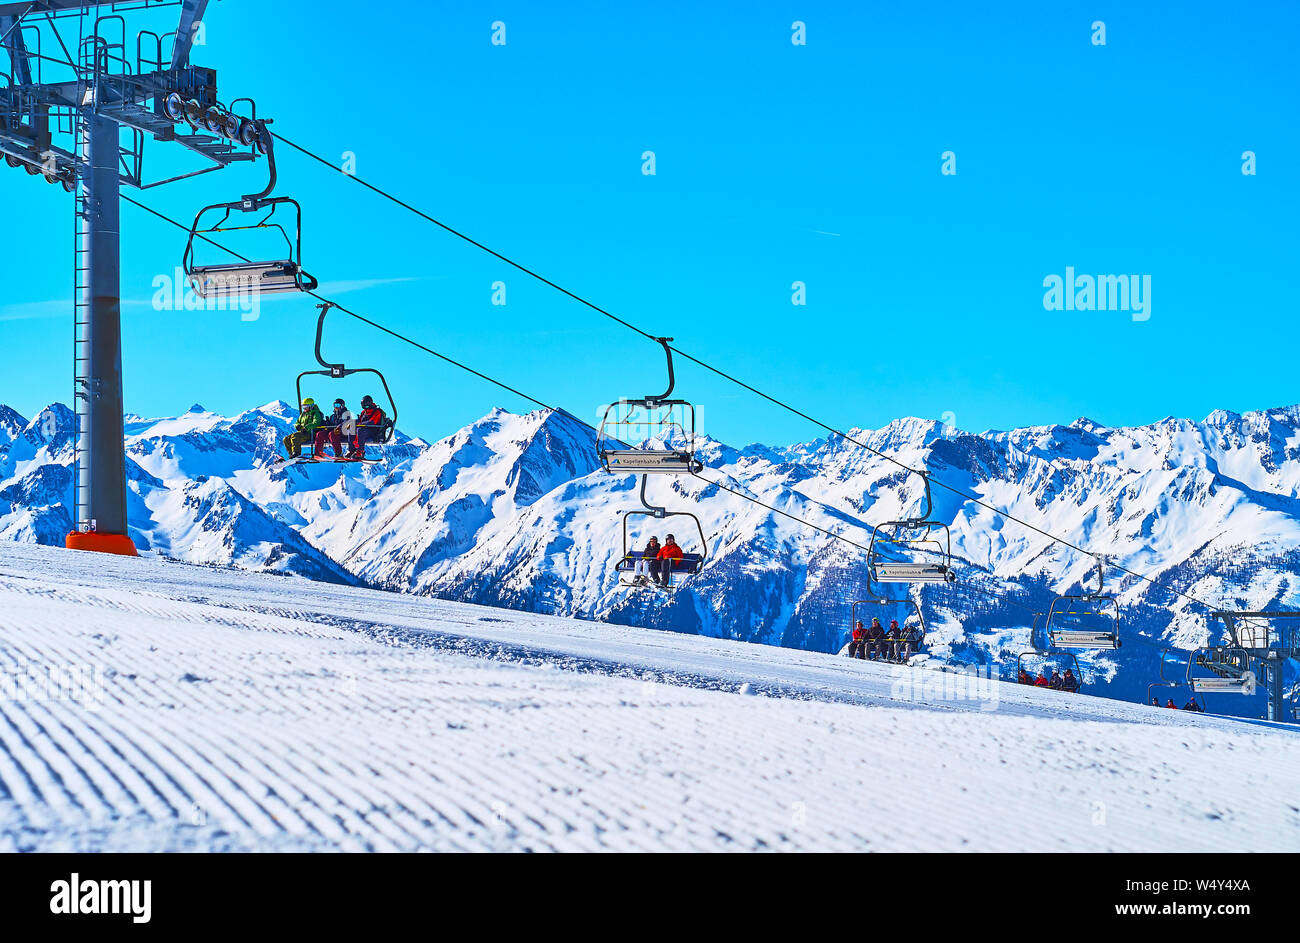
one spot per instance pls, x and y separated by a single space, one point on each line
223 710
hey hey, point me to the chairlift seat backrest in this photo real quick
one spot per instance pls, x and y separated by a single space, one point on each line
690 563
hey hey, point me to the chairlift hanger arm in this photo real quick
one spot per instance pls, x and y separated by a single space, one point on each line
672 379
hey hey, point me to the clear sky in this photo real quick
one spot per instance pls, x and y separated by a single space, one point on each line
775 163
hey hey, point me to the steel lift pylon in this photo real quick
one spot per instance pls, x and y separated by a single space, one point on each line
106 93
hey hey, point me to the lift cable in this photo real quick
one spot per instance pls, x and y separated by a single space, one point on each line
966 496
532 399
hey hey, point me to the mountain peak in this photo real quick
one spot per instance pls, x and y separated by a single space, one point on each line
196 408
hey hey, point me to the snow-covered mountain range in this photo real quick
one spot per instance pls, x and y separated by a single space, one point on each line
515 511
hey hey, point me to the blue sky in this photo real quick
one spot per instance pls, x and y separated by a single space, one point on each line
775 163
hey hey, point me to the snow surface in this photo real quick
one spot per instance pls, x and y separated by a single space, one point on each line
234 710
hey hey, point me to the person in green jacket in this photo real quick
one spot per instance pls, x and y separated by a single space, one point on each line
304 430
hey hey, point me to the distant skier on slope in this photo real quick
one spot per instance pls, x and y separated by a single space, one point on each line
858 643
304 429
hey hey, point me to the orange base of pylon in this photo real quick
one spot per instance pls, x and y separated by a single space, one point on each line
119 544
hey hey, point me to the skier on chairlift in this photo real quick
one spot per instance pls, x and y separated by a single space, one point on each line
370 428
668 553
875 640
893 638
339 426
1070 682
858 644
304 429
1193 706
645 564
911 642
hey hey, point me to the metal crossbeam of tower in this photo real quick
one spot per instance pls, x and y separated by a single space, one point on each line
109 98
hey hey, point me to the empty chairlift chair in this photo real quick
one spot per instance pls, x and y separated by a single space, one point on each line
1097 607
250 276
915 535
1220 670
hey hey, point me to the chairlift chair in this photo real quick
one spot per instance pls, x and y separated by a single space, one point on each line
905 600
1099 604
690 563
247 277
882 570
1228 667
338 371
1047 653
648 413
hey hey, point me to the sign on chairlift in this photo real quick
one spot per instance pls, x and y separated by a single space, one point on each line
1083 639
642 461
913 573
1241 685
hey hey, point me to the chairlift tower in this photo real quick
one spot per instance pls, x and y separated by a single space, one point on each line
1259 642
85 129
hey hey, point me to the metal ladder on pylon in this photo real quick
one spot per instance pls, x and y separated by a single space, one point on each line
85 387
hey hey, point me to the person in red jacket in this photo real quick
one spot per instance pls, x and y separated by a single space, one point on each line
669 552
1042 681
858 645
1171 705
370 427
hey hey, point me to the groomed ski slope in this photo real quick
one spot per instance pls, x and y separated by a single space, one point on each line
234 711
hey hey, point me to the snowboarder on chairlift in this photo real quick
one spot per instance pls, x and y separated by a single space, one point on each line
858 644
370 427
1069 682
304 429
875 640
339 426
644 566
668 553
